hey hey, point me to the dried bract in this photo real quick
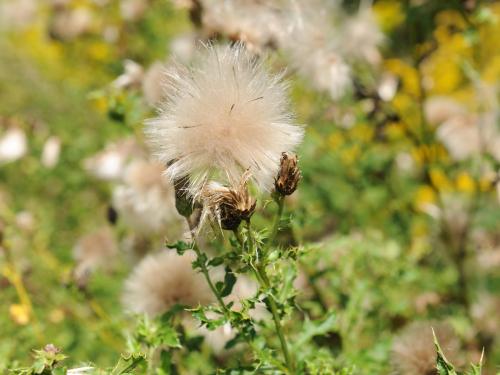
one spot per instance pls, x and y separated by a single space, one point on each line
289 175
229 205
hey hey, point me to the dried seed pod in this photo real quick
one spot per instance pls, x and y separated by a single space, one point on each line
229 206
288 176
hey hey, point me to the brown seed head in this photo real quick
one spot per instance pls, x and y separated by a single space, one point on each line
288 176
230 205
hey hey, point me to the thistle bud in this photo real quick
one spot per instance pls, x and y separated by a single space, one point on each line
183 202
230 206
288 176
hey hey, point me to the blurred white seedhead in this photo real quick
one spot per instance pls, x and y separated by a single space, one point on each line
16 14
162 280
51 151
13 145
131 77
414 352
362 37
133 10
183 47
68 24
314 47
258 24
438 109
152 84
93 251
145 201
484 313
387 87
224 115
25 221
465 133
471 134
110 163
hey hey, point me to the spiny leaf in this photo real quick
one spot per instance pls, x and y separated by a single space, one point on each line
442 365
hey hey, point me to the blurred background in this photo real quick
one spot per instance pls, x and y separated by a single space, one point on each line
399 202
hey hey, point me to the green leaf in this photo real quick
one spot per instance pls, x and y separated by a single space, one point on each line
168 336
477 369
229 281
128 362
442 365
217 261
311 329
38 366
180 246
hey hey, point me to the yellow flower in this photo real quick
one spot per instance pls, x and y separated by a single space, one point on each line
486 183
424 197
362 132
389 14
407 73
56 316
440 180
350 155
99 51
335 140
395 130
465 183
491 73
19 313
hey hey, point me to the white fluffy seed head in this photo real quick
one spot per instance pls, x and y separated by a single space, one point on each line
222 116
145 201
162 280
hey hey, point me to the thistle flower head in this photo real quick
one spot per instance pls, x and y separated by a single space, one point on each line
229 205
224 115
288 176
162 280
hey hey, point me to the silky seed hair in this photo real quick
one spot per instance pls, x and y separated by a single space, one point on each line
223 115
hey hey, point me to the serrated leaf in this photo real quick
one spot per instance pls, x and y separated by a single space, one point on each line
229 281
128 362
180 246
217 261
168 336
316 328
442 365
38 366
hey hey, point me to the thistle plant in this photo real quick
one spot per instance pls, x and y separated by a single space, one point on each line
225 134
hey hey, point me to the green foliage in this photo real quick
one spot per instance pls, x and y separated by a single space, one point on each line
386 228
444 367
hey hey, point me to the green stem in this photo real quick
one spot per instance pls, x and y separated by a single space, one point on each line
237 234
260 273
280 200
276 318
204 270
